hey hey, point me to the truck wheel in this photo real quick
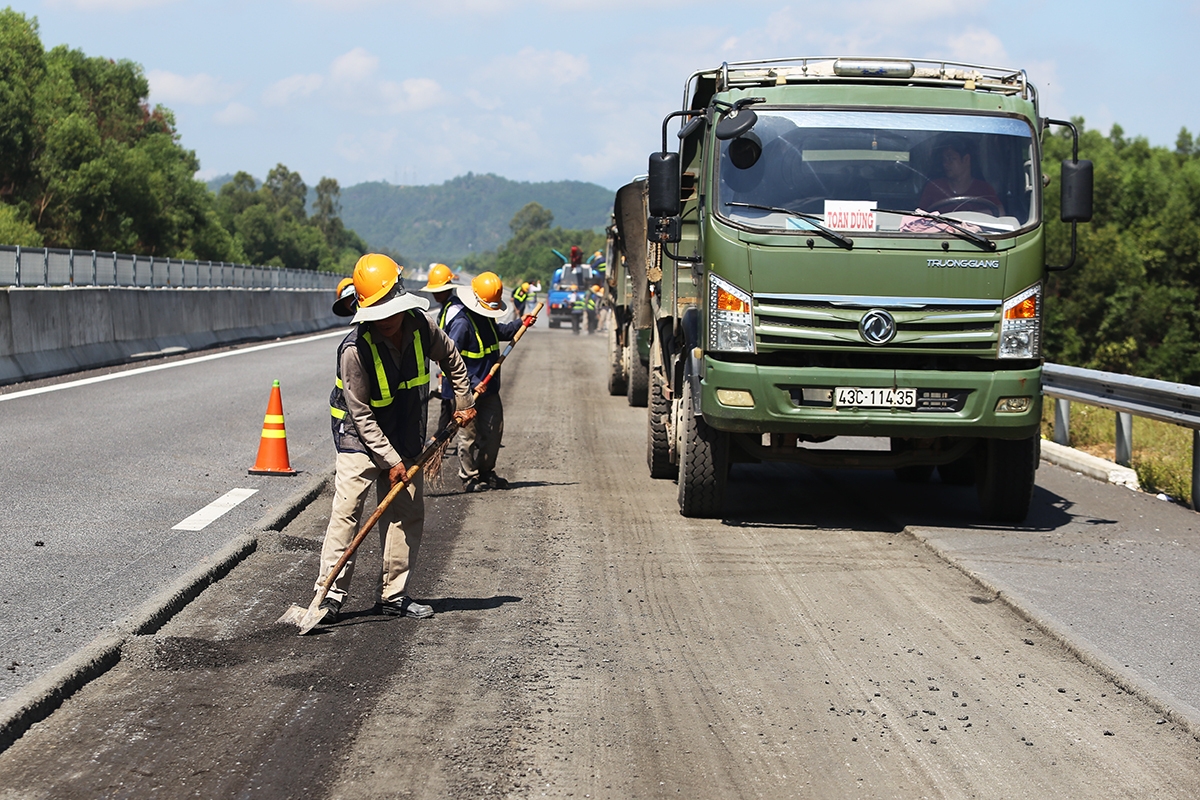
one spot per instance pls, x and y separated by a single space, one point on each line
1004 478
703 464
658 442
637 378
914 473
960 472
616 365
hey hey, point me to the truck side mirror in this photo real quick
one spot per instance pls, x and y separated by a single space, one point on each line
736 123
663 183
1076 191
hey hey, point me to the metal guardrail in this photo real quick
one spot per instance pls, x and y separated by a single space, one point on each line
1128 396
50 266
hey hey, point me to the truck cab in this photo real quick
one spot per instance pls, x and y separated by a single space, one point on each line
852 247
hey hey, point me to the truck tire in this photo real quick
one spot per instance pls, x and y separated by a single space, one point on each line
703 464
658 442
616 365
1004 477
637 378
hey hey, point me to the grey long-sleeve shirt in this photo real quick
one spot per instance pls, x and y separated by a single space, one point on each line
356 384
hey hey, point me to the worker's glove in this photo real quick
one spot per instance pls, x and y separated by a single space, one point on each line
528 320
464 417
397 474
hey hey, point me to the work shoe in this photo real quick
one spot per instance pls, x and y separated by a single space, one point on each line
404 607
332 609
494 481
475 485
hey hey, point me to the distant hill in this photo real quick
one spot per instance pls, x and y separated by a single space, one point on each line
466 214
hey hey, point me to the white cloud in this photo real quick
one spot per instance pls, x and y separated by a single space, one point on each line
977 46
290 88
414 94
355 66
541 67
200 90
235 114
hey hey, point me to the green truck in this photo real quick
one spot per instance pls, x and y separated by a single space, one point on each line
848 248
627 295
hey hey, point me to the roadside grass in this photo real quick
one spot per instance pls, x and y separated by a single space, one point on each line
1162 453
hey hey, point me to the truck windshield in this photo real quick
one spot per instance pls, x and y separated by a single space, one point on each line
862 170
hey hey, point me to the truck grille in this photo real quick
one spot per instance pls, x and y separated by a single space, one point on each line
830 322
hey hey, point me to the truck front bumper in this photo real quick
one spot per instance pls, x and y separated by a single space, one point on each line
799 400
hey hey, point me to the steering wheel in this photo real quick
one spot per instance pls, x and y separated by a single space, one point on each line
966 199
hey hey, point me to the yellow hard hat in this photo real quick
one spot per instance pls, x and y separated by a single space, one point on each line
525 286
343 306
489 289
485 295
374 276
596 288
440 277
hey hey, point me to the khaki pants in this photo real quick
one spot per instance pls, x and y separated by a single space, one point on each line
400 527
479 442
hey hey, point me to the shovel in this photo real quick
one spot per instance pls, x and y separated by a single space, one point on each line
307 618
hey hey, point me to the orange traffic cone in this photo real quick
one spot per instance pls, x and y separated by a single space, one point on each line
272 449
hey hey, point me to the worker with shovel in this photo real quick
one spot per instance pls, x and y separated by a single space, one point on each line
377 402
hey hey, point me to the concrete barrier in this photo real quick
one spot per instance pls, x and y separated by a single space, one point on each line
48 331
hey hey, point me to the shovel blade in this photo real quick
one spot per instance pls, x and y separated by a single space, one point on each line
293 616
304 618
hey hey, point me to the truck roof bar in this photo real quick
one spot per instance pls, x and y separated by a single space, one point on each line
804 69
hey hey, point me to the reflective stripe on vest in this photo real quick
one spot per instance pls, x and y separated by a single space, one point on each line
519 294
482 352
385 391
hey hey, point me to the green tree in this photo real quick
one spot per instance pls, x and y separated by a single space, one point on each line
531 217
87 161
529 254
1130 303
270 223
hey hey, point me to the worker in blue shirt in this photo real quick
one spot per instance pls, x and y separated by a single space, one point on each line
474 330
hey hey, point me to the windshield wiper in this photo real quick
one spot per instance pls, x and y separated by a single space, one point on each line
812 219
955 224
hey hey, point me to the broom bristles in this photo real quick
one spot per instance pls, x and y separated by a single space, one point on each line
433 467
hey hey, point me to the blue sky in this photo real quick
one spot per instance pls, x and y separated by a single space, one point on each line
419 92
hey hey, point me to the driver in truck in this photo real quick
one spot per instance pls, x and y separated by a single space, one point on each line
959 190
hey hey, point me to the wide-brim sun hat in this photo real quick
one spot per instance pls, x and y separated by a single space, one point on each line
347 300
472 301
396 301
442 286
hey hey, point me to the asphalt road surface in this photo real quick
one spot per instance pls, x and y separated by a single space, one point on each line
96 475
590 642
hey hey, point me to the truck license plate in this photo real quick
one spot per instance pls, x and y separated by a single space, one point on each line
856 397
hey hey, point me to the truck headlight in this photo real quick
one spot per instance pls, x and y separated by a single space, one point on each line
730 317
1021 325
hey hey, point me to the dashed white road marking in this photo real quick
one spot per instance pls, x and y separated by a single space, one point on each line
214 510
